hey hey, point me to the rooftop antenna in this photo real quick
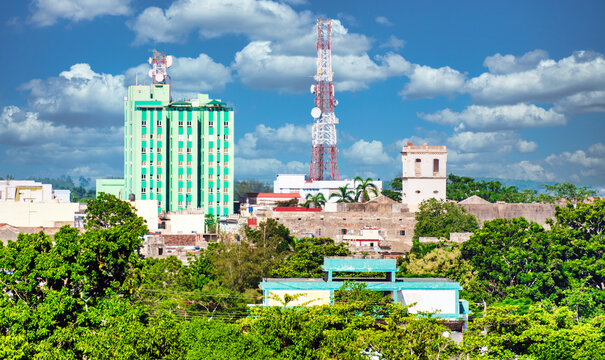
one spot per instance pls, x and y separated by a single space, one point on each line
324 151
159 67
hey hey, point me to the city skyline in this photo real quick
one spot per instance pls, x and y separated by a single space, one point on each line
514 90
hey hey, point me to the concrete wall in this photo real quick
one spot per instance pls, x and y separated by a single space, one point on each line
441 301
185 223
148 210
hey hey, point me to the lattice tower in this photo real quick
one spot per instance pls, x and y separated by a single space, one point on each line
324 151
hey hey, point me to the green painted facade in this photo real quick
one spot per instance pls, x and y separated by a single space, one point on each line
179 153
114 187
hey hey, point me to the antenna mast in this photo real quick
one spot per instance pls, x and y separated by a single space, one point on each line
324 152
159 67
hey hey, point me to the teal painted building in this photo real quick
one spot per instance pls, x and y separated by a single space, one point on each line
437 295
179 153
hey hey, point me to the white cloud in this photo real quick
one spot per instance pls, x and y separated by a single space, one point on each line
471 142
76 92
589 163
36 143
367 153
548 81
524 146
383 21
428 82
268 167
258 67
507 117
506 64
47 12
266 140
393 43
584 102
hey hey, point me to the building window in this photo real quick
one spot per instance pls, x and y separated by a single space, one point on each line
180 163
143 150
180 177
159 163
343 231
144 123
159 177
435 192
417 191
143 190
210 123
151 136
180 123
188 177
225 203
188 191
226 163
180 203
226 124
159 137
180 150
159 123
158 150
211 151
402 232
188 163
210 191
226 137
226 177
143 177
188 150
417 167
435 167
210 177
143 137
144 163
188 123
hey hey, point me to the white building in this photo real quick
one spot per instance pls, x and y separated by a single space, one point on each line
30 191
424 173
296 183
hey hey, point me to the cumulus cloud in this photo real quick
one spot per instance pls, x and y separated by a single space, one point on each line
506 64
506 117
75 92
428 82
258 67
526 146
47 12
367 153
268 167
589 163
548 81
265 140
394 43
584 102
382 20
34 141
497 141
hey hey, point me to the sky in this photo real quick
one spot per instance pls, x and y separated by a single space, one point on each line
514 89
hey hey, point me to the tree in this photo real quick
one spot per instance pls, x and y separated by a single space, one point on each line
241 187
438 218
461 187
570 191
315 201
210 223
394 192
345 195
108 211
514 257
307 258
364 189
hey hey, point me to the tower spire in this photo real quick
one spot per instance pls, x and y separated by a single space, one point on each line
324 151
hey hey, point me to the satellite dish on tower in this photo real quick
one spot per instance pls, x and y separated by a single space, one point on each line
169 61
150 73
159 77
312 89
315 112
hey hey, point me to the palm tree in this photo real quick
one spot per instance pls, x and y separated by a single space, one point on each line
364 188
345 196
315 201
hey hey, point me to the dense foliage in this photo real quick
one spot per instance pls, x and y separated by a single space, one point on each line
536 293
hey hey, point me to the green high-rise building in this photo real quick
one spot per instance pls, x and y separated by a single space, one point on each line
179 153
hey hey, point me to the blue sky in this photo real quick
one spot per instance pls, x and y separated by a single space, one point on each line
515 89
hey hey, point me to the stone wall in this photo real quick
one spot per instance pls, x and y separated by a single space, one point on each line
331 224
535 211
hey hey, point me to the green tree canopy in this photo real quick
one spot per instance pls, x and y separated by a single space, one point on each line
345 195
364 188
108 211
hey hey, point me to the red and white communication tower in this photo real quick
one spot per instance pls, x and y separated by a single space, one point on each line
159 67
324 153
